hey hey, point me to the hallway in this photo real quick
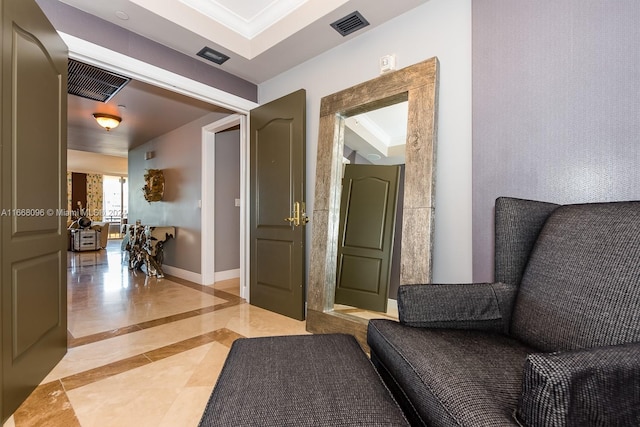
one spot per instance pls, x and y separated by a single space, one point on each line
142 351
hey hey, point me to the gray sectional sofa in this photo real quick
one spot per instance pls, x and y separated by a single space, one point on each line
555 341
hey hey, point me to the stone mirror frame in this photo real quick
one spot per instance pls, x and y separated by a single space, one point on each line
419 85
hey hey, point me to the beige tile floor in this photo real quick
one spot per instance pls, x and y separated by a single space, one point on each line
142 351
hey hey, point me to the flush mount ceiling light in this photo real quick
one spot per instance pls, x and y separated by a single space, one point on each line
212 55
107 121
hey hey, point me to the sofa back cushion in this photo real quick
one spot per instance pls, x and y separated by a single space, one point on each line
517 225
581 286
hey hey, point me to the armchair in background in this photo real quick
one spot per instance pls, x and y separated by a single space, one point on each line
555 341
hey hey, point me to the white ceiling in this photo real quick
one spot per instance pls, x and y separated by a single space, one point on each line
247 18
262 37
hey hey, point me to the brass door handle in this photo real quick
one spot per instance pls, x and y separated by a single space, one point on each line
299 215
295 219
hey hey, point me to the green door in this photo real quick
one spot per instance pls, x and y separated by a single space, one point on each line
367 225
32 197
277 162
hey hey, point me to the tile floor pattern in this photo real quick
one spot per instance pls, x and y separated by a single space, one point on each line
142 351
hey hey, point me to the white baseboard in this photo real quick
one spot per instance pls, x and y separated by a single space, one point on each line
226 275
197 277
183 274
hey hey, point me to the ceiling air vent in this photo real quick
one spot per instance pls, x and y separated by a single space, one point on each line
212 55
350 23
92 82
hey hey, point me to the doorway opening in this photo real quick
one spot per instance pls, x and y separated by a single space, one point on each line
210 134
113 61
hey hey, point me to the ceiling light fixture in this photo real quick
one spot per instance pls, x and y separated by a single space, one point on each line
107 121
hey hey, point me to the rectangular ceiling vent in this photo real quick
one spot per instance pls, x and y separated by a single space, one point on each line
350 23
92 82
213 55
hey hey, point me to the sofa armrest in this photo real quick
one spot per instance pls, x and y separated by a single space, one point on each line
597 386
485 306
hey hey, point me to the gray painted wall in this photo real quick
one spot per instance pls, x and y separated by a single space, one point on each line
556 106
439 28
227 189
179 155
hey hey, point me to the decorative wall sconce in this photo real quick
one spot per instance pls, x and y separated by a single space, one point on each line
107 121
154 185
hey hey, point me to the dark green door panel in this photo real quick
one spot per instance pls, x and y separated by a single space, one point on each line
277 162
32 192
367 226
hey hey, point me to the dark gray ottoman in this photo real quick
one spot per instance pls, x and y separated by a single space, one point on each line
301 380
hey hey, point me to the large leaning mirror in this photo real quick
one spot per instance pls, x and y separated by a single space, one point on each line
416 87
371 202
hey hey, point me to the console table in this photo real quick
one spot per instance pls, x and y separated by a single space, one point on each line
145 246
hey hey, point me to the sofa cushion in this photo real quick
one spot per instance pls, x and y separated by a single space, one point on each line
581 287
593 387
517 225
484 306
451 377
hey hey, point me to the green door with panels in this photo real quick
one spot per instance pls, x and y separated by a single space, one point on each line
33 270
366 232
277 213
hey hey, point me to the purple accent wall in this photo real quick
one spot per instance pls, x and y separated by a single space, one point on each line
556 106
92 29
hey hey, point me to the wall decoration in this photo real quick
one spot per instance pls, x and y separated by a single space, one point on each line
154 185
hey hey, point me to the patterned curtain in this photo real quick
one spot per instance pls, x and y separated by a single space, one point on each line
94 196
69 187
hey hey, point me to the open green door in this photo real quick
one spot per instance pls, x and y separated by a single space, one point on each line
33 267
277 215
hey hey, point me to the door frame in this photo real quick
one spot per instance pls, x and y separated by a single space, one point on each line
208 199
102 57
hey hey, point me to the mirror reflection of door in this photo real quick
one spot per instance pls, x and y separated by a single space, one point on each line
365 248
368 263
